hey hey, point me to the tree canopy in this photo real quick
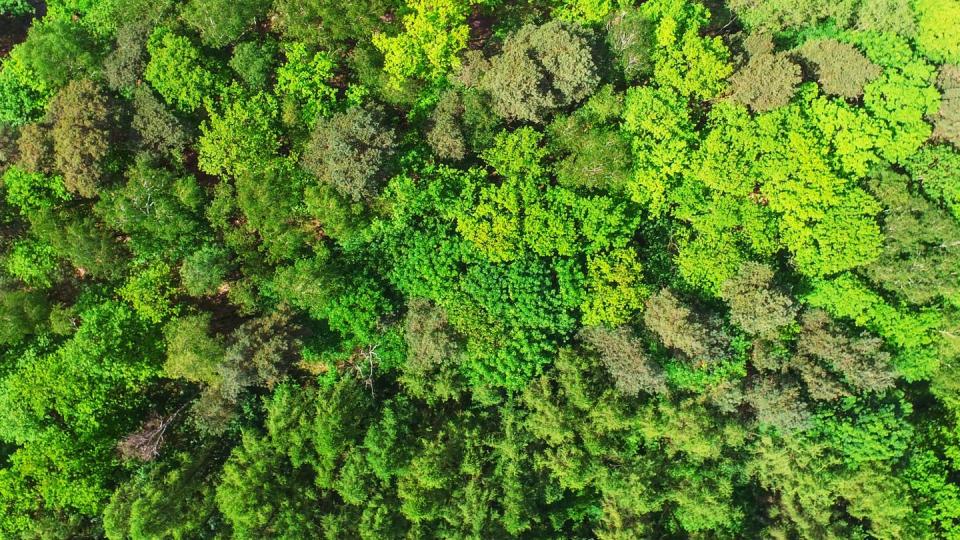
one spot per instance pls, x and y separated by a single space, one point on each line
470 269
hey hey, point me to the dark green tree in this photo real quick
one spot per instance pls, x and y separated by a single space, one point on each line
351 151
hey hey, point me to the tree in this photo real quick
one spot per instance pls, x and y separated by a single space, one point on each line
150 293
462 121
34 263
351 151
174 498
947 119
434 351
445 135
901 98
179 71
255 503
625 357
330 22
15 8
124 66
756 305
192 353
9 153
254 62
684 60
893 16
614 291
918 262
303 83
541 69
271 202
240 136
58 50
222 22
65 409
22 314
767 80
82 240
82 122
433 35
30 192
938 37
630 35
250 496
259 352
204 271
841 69
594 156
679 328
158 210
782 14
849 298
662 137
935 169
35 147
859 362
157 129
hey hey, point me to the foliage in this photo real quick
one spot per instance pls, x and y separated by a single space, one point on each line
303 81
15 7
33 191
684 61
625 359
541 69
351 151
947 119
62 409
937 34
34 263
56 51
918 258
179 71
149 292
300 20
254 62
780 14
155 208
20 99
433 35
935 168
239 137
767 81
204 270
480 269
841 69
756 306
222 22
81 135
157 129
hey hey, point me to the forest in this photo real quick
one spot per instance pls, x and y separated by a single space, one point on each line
480 269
